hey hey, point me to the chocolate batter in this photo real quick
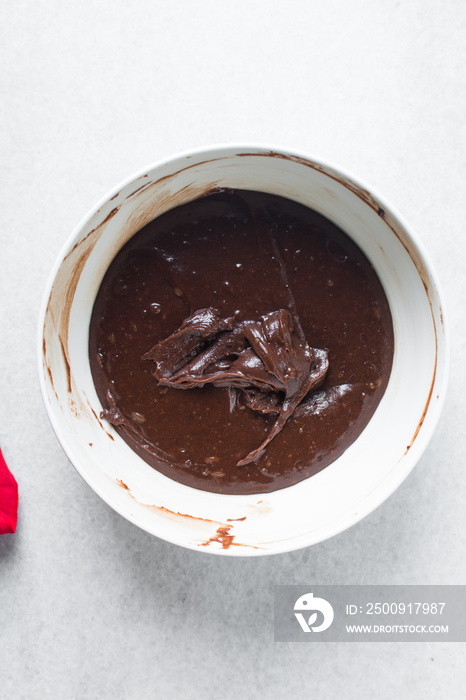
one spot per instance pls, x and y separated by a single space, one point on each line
240 343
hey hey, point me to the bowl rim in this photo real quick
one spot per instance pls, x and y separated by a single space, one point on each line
434 409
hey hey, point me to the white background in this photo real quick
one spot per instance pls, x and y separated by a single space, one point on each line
91 607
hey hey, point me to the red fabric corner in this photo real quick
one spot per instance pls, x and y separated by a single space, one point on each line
8 499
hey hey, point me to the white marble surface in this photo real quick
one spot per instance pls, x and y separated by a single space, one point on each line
90 606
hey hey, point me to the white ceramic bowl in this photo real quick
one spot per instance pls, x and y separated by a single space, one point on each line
319 507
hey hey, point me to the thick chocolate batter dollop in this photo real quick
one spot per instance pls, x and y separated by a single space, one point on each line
240 343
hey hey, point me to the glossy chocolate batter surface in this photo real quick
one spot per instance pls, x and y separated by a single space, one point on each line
240 343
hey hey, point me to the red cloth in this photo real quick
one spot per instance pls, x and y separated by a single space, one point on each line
8 499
